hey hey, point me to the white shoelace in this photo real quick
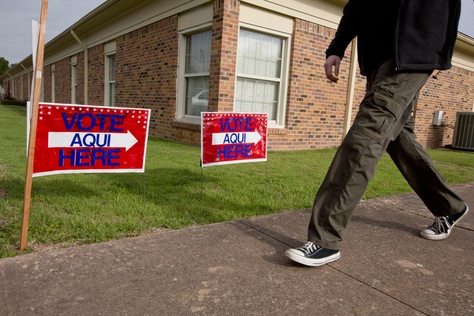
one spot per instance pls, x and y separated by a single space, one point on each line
309 247
440 225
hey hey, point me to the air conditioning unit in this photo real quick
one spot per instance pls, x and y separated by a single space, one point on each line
463 137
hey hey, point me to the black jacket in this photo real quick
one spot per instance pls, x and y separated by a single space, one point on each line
418 34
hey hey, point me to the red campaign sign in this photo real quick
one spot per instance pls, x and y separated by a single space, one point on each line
90 139
233 138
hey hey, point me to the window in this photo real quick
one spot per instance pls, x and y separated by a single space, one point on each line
261 75
196 74
110 80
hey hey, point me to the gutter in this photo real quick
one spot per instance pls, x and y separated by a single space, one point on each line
464 43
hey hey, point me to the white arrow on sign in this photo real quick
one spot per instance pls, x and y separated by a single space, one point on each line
113 140
233 138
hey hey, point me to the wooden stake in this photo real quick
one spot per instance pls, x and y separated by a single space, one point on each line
34 122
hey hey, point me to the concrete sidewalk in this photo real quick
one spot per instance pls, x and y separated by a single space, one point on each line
238 268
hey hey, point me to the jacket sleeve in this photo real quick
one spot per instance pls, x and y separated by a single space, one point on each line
347 29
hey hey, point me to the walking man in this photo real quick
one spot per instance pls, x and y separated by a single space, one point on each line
400 43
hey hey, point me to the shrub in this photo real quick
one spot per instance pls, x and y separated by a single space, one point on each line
13 102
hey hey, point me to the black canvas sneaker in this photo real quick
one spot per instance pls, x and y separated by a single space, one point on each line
442 226
312 255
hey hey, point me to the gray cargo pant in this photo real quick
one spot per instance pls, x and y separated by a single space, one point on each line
383 123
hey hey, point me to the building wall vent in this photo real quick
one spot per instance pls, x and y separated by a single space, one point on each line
463 137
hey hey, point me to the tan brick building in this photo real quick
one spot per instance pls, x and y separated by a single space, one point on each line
181 57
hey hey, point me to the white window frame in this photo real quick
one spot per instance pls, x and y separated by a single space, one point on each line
281 106
109 97
182 88
110 48
74 80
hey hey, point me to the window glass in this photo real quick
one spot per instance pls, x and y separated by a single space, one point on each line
197 95
198 64
259 54
111 65
259 72
258 96
74 84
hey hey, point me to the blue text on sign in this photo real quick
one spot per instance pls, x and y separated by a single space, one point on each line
91 140
236 124
89 157
234 138
87 121
234 151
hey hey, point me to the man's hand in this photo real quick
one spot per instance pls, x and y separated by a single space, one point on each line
332 63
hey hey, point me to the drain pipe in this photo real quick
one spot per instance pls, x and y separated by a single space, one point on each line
86 68
350 88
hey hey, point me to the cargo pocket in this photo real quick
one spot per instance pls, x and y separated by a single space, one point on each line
376 117
386 102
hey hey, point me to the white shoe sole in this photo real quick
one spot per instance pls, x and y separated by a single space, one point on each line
293 255
430 236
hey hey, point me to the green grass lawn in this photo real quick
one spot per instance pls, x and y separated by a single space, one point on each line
174 192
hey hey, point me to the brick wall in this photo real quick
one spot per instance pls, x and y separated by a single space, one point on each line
96 75
15 88
147 69
63 80
47 83
19 89
6 85
26 86
452 92
225 34
315 107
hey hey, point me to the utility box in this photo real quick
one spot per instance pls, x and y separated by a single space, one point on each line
437 118
463 137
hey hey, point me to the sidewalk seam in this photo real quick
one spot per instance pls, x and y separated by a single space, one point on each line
246 223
